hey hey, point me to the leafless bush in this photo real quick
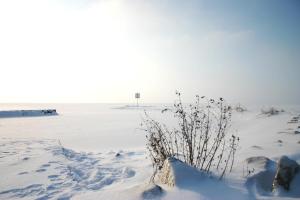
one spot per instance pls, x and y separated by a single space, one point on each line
270 111
240 108
199 139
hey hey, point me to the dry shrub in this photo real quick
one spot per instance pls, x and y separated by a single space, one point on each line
271 111
200 138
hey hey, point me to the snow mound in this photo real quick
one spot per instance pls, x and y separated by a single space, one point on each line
264 174
184 179
27 113
264 171
261 162
177 173
294 120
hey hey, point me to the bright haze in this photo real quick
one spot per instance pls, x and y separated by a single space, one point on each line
105 51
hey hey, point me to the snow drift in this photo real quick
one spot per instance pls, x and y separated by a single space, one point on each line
27 113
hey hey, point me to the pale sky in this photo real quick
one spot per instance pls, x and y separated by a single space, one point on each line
104 51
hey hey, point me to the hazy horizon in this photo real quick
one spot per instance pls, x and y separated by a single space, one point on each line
101 51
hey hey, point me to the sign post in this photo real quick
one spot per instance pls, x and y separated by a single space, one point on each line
137 96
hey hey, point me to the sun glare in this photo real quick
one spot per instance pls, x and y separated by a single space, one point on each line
86 54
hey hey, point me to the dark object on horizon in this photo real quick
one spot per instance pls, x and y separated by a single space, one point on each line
240 108
270 111
52 111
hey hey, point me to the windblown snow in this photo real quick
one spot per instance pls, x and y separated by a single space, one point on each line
98 152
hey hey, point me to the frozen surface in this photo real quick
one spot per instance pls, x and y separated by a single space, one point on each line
97 151
79 126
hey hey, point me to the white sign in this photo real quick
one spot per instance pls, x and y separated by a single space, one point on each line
137 95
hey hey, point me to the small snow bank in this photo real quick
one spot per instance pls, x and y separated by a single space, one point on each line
294 120
185 179
27 113
262 171
177 173
268 178
261 162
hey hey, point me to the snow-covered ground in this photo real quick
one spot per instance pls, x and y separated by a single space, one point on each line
97 151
